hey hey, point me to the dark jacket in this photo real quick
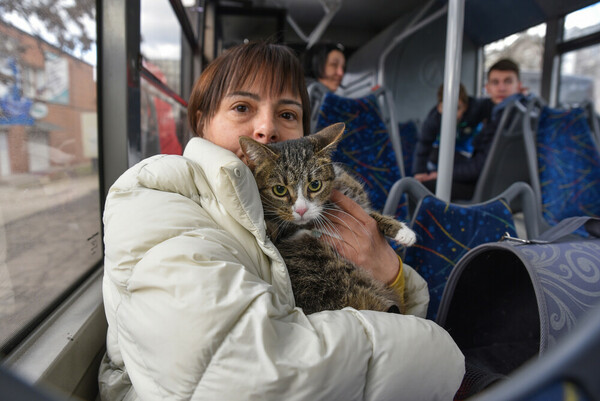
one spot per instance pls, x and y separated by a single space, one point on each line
467 171
467 132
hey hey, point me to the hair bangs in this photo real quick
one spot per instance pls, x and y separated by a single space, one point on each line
270 69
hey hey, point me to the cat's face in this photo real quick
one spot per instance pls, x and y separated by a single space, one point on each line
295 178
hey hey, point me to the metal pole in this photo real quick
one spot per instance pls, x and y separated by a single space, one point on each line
454 37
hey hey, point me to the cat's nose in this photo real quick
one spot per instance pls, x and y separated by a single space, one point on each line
301 210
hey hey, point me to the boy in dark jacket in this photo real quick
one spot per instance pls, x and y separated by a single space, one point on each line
503 86
470 116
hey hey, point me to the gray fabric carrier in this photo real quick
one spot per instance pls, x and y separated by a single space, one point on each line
507 302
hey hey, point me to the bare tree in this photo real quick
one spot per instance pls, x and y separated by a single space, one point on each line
64 20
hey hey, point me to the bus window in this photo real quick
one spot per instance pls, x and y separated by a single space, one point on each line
50 237
163 110
526 49
580 69
582 22
161 40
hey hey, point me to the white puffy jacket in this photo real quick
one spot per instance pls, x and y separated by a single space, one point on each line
200 306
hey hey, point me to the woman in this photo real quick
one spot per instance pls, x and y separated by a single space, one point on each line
325 67
198 301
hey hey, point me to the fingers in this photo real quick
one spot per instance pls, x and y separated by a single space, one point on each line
349 206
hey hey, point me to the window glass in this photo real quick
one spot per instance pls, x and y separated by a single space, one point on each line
163 117
49 191
580 69
582 22
580 77
194 10
163 110
526 49
161 40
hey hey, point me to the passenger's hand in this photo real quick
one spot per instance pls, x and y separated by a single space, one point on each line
360 240
422 177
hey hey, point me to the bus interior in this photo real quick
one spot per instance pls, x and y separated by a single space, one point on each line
90 88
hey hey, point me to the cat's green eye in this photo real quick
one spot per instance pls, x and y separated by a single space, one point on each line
279 190
314 186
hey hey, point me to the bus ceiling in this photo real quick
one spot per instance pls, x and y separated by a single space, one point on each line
358 21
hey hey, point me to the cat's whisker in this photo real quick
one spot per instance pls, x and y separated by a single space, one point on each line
346 224
356 240
325 211
330 237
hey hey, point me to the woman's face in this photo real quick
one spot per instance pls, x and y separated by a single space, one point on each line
334 70
253 113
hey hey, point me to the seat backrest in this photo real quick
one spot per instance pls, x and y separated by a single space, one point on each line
366 147
409 132
316 94
593 121
447 231
506 162
566 164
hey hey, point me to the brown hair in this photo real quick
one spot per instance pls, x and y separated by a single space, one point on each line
505 64
274 67
462 94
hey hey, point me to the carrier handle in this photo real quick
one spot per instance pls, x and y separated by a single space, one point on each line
567 226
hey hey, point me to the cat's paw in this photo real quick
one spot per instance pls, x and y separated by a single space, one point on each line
405 236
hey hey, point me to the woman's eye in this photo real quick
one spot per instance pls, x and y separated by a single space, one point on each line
288 115
314 186
241 108
279 190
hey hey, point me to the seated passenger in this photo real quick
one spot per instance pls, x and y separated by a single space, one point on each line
470 116
503 86
198 300
325 65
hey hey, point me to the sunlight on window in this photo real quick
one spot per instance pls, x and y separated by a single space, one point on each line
582 22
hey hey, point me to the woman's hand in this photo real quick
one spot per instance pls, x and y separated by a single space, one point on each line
361 241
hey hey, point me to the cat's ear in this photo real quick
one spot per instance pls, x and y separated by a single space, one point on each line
328 137
255 151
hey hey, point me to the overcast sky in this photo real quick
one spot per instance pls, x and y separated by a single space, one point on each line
161 33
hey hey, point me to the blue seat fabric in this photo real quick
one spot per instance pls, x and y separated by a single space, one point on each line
569 165
445 232
365 147
408 135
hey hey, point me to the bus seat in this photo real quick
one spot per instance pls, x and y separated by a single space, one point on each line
447 231
591 115
367 147
593 121
316 94
564 164
409 132
506 162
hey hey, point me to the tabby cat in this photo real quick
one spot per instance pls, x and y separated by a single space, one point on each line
295 179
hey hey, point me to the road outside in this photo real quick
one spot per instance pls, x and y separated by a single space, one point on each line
49 238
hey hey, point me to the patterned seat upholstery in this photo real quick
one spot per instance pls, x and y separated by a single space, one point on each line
365 147
408 134
445 232
568 165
